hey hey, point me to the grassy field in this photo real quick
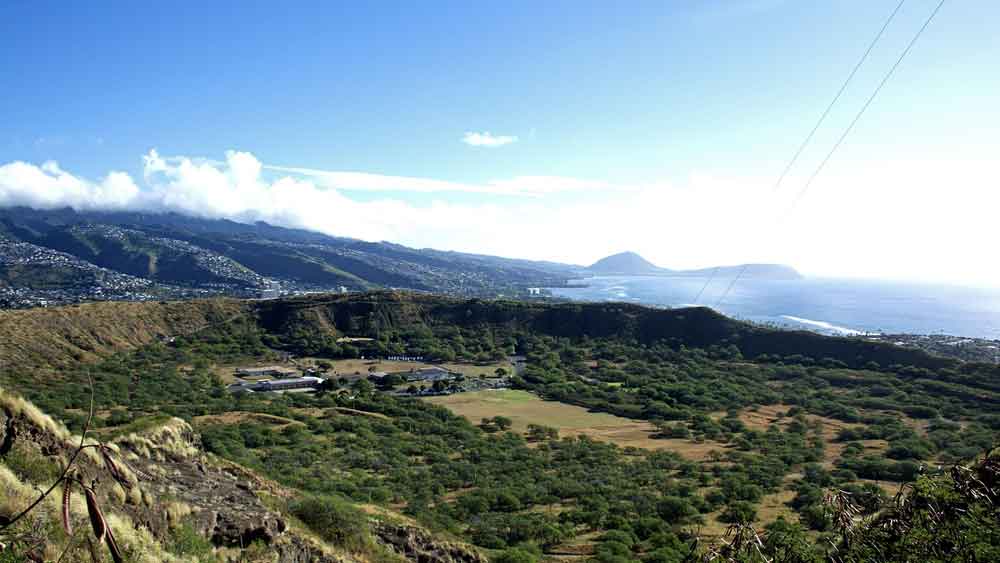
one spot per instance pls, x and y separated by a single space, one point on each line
236 417
761 417
525 408
357 366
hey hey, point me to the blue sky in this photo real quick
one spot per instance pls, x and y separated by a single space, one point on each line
690 109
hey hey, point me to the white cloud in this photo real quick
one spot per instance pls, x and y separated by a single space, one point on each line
48 187
517 186
915 219
487 139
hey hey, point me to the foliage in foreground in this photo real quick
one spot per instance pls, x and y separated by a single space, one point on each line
950 517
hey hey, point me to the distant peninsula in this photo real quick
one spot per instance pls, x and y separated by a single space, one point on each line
632 264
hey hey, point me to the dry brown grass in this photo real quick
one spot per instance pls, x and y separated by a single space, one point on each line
383 512
525 408
317 412
15 495
475 370
761 417
580 546
361 367
889 487
358 366
236 417
771 507
61 336
356 412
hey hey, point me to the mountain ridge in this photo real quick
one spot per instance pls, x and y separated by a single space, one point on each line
66 256
182 256
632 264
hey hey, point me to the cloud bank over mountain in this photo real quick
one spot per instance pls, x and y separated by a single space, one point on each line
48 186
886 219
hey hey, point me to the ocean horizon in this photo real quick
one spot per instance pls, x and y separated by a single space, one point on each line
825 305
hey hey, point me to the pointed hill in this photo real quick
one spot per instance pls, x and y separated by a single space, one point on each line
627 263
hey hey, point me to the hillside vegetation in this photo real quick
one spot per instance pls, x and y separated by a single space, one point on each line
759 429
376 314
164 498
177 255
66 336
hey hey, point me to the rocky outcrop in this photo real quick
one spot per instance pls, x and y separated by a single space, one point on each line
220 500
417 545
173 482
216 501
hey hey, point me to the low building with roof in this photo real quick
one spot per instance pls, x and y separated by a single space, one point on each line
277 385
266 371
432 373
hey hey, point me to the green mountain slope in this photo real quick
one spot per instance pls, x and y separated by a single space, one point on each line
228 257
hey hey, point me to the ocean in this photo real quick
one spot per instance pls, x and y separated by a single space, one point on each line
830 306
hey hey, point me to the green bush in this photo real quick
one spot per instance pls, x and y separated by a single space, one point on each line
516 555
185 541
30 465
739 511
334 520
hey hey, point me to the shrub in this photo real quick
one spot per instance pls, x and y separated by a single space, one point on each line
619 536
739 511
516 555
185 541
30 465
675 510
334 520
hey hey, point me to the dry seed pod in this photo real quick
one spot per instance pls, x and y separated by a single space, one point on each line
116 472
67 495
116 554
97 521
94 557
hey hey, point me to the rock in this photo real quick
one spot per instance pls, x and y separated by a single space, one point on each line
417 545
217 499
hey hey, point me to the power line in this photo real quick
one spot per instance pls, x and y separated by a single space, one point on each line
864 108
801 193
840 92
708 281
820 121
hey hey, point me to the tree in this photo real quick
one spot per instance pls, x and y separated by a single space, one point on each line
391 380
516 555
675 510
739 512
502 422
500 372
538 432
363 386
488 425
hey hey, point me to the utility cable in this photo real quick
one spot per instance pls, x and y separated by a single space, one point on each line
819 122
802 192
